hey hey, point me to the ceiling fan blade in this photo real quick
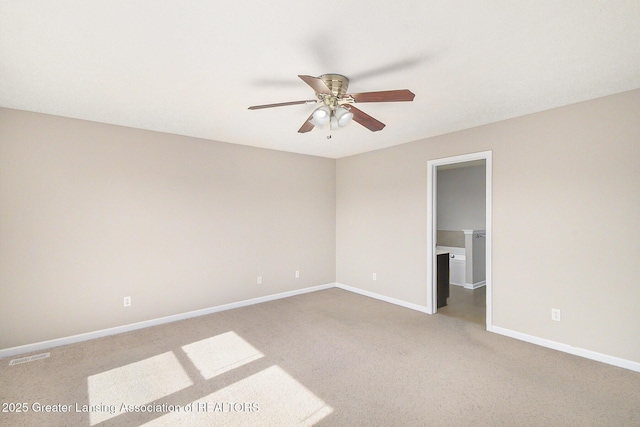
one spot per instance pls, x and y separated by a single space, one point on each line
283 104
307 126
316 84
383 96
366 120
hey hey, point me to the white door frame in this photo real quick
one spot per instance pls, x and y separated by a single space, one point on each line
432 223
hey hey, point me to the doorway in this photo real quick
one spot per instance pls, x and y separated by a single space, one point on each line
432 222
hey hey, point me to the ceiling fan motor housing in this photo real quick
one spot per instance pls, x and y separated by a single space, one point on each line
337 84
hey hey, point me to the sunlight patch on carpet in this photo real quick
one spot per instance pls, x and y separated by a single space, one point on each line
270 397
216 355
135 384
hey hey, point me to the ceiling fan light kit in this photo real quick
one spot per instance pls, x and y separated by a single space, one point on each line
337 109
321 116
342 116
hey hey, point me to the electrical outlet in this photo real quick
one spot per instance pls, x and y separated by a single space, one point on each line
259 280
555 314
374 277
127 301
297 274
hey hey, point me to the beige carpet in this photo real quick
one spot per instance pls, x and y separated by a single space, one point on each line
329 358
466 304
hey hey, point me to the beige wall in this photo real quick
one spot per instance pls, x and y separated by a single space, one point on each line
450 238
91 213
566 221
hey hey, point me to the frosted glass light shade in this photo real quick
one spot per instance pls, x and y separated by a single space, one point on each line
343 116
321 116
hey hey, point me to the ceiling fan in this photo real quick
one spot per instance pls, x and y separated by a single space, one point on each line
337 109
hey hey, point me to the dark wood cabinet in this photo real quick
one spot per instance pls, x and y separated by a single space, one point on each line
442 279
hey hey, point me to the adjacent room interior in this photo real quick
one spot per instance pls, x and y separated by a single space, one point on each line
161 244
461 226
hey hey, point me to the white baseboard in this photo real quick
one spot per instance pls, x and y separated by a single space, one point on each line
28 348
604 358
383 298
475 285
566 348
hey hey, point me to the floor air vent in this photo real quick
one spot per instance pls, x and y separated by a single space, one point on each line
29 358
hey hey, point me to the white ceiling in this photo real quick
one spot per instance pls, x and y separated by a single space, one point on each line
193 67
